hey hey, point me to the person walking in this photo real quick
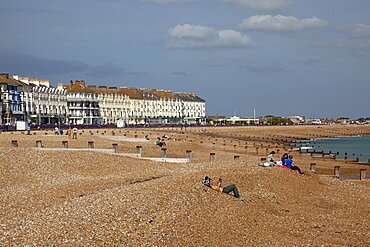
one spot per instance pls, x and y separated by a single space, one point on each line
69 131
74 130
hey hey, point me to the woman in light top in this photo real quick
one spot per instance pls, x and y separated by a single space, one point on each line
270 158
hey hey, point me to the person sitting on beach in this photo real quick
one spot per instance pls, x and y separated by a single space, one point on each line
291 165
283 159
270 158
207 181
160 142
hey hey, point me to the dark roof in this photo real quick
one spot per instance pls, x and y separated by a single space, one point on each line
8 79
77 87
133 93
192 97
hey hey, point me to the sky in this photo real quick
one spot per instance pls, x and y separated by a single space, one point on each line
279 57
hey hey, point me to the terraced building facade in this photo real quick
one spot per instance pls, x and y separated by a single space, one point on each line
107 105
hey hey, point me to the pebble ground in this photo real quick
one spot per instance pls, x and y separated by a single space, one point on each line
58 198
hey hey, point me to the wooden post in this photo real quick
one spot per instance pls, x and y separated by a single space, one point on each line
336 171
14 143
189 155
115 147
65 144
90 144
362 174
139 150
39 144
164 153
313 167
212 156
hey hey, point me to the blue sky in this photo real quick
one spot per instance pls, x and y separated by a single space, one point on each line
280 57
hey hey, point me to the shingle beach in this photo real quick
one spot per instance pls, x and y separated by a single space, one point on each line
53 197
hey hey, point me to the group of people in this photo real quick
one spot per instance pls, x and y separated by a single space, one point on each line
58 131
161 141
71 132
286 161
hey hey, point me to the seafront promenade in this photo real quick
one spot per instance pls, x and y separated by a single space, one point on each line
114 187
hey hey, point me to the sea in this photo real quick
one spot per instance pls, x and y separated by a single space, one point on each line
354 146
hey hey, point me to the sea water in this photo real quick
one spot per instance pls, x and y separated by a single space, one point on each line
354 146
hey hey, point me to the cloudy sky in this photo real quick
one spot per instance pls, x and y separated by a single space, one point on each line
280 57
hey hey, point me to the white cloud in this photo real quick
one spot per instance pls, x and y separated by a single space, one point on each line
361 30
196 36
280 23
188 31
261 4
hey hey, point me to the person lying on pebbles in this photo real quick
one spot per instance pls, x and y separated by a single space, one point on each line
207 181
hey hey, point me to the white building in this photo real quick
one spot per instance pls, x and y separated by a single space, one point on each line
162 107
137 106
83 106
193 109
113 103
44 104
297 119
50 105
34 100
